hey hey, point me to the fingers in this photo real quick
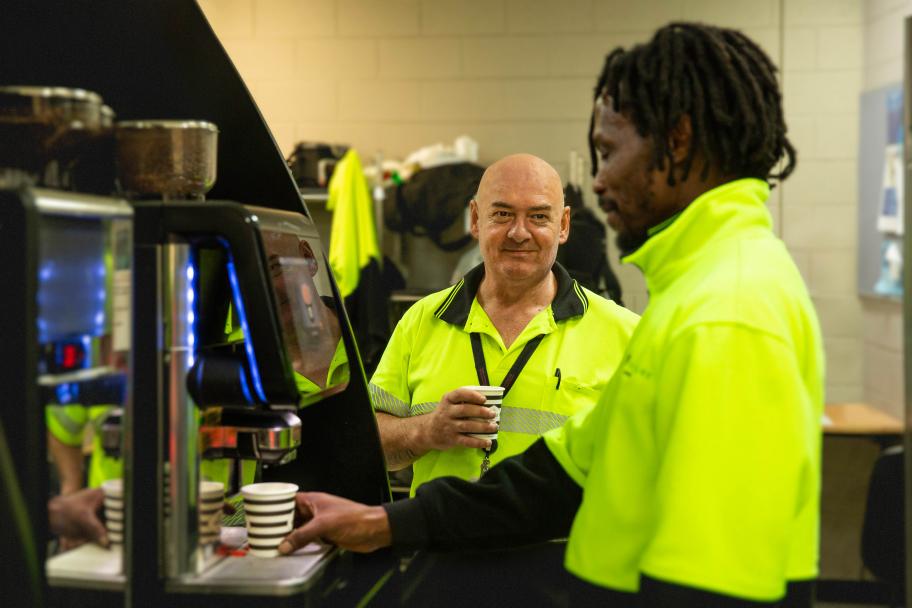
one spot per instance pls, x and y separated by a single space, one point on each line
462 395
97 532
468 410
473 442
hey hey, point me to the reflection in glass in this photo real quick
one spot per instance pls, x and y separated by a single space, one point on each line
307 313
83 330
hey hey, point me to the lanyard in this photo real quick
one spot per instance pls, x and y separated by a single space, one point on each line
509 380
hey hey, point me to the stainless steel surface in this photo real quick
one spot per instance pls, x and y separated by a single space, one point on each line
280 576
181 528
907 282
166 158
55 202
267 436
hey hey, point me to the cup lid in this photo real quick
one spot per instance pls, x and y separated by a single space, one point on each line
112 486
268 489
211 487
485 390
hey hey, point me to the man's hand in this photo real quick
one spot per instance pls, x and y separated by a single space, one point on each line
74 518
338 521
445 427
405 440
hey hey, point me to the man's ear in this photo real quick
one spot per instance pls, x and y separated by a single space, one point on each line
679 139
564 226
473 217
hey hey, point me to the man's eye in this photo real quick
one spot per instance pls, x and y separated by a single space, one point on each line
501 214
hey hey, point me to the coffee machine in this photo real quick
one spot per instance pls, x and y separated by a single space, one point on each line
67 272
337 446
239 335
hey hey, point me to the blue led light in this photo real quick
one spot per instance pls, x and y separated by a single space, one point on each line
248 343
191 314
46 272
99 319
245 388
67 393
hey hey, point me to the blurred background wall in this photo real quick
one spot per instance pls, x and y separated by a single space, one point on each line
391 76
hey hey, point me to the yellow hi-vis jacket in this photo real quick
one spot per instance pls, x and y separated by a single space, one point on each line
353 236
430 354
700 464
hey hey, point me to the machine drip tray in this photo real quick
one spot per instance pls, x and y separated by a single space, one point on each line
89 566
249 575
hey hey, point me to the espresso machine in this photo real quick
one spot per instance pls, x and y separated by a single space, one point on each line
239 338
193 393
65 319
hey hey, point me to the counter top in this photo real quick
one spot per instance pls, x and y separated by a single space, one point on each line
859 419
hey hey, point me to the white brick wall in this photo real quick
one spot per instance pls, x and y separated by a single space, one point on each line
393 75
822 80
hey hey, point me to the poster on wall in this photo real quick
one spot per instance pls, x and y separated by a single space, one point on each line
890 207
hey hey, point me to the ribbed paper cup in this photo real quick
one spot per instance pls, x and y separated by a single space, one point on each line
114 510
493 399
269 510
211 504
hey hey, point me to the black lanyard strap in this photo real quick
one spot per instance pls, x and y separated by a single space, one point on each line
482 369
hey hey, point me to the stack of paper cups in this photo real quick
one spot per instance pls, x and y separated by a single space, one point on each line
493 399
269 509
114 510
211 502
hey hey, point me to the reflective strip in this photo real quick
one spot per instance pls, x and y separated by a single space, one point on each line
385 401
530 422
449 299
61 416
423 408
581 296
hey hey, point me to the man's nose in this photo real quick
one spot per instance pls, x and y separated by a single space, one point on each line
518 231
598 182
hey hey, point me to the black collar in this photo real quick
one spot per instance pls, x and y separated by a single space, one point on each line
569 301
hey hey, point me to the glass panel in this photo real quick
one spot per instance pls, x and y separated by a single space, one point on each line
307 309
84 306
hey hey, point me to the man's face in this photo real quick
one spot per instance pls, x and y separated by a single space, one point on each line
631 191
519 219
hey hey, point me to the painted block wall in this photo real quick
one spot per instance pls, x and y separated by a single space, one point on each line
391 76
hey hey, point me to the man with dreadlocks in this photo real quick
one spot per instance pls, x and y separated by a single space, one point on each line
694 481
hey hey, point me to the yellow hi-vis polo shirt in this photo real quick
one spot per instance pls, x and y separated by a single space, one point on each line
700 464
430 354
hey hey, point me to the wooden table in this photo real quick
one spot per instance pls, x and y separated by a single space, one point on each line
860 419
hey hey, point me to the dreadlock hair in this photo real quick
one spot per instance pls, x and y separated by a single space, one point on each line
721 79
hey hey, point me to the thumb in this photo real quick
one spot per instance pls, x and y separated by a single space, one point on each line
301 537
96 531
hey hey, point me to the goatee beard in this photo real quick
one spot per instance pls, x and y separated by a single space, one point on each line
628 242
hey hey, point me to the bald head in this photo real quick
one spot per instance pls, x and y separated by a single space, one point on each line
519 219
516 172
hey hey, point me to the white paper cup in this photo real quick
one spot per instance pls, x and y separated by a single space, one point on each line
269 510
493 399
211 504
114 510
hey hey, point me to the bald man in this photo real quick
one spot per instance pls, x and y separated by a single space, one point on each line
519 315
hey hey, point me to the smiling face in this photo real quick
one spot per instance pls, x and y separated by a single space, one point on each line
633 193
519 218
